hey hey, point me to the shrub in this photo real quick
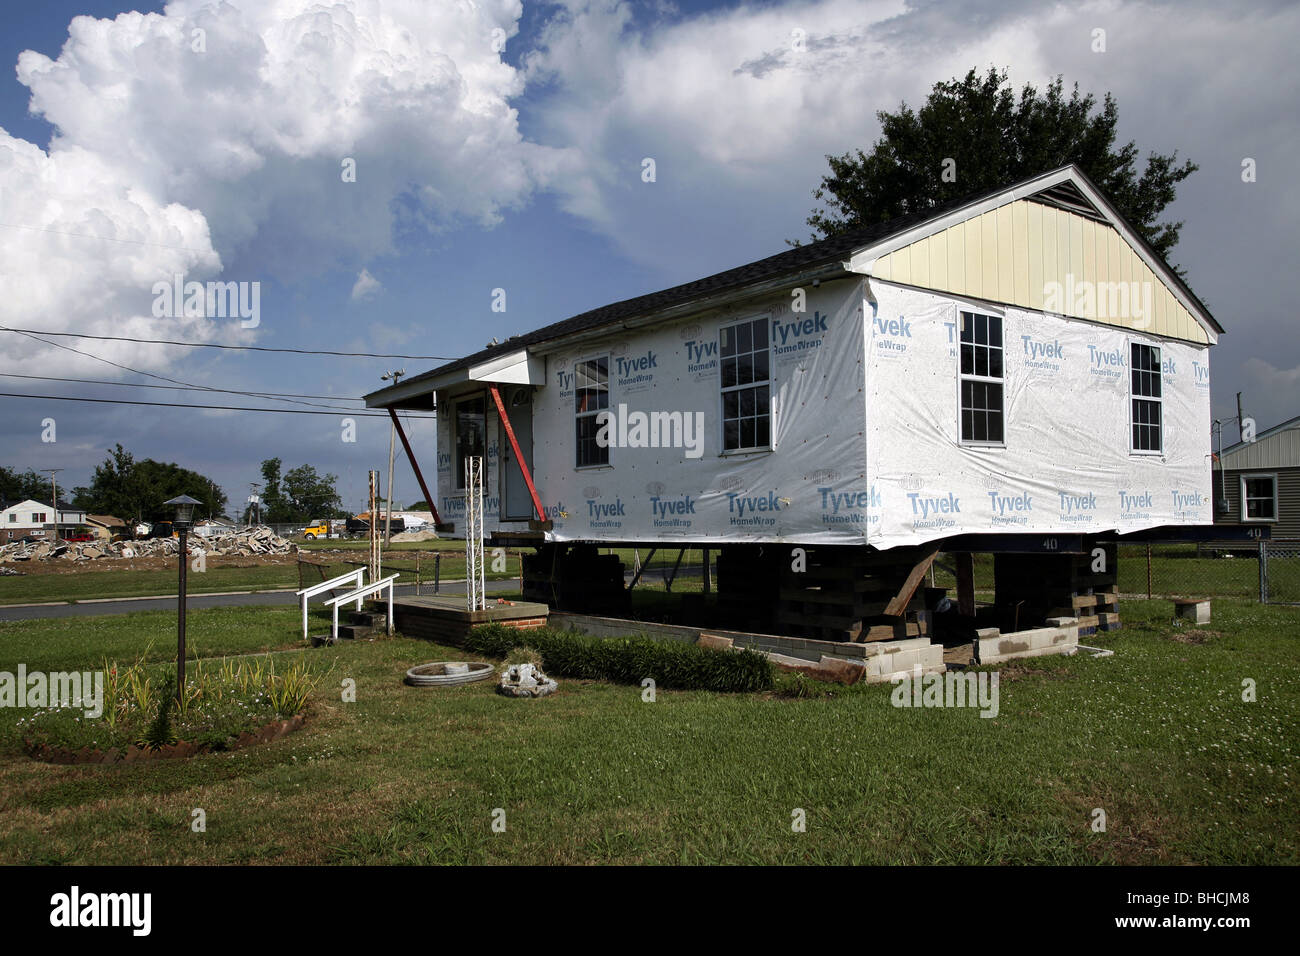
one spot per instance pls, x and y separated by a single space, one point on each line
629 660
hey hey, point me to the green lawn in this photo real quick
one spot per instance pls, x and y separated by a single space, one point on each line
1157 735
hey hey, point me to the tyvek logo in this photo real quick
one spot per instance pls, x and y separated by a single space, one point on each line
1010 509
890 333
554 512
848 507
444 461
1134 506
931 511
564 381
1188 504
672 512
456 505
1043 355
1078 508
799 335
636 371
701 357
607 515
746 510
1106 363
1201 374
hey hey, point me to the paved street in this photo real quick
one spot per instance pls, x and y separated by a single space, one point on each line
198 601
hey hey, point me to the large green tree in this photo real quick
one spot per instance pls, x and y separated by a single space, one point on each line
993 139
137 490
298 495
18 486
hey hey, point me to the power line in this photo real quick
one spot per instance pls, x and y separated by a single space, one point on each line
222 408
181 388
161 378
215 345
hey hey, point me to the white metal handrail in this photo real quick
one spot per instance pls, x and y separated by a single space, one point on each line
361 593
358 577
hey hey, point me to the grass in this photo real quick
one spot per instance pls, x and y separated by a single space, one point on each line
1157 735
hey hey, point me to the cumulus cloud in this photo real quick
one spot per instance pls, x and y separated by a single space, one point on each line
277 139
365 286
82 248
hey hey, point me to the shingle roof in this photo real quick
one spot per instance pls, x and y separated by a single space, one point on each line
800 258
819 253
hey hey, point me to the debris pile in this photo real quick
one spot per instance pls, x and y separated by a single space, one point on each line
250 541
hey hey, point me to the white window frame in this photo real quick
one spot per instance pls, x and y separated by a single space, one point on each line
1160 401
1241 484
766 318
989 379
609 407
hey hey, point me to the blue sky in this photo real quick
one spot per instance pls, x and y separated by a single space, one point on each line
520 169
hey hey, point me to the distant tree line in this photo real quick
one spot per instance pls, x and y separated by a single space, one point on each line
124 488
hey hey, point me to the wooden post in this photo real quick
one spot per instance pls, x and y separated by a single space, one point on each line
708 573
965 567
1148 573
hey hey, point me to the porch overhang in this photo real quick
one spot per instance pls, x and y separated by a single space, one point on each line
518 367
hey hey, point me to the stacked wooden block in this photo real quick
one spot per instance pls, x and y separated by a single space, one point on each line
1034 587
575 578
1095 612
843 594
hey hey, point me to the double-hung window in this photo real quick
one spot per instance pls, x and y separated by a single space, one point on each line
1259 497
982 390
1145 398
591 398
746 358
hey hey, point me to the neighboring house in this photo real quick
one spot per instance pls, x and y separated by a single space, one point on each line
38 519
1019 361
1258 482
213 526
105 527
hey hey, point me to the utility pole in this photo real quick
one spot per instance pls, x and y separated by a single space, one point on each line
54 503
392 437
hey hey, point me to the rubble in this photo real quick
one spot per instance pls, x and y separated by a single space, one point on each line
249 541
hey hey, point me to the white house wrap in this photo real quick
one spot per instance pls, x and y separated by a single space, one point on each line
877 432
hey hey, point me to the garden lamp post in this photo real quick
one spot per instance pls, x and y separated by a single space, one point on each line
184 516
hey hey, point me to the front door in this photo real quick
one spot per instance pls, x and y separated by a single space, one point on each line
516 503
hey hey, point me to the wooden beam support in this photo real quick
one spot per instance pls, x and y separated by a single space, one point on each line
965 575
519 457
898 605
415 467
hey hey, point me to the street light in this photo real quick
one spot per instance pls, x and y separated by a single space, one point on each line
184 516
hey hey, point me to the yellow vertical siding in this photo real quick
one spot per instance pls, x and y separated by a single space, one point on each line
1011 253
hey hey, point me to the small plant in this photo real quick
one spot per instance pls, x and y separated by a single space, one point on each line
160 732
523 655
629 660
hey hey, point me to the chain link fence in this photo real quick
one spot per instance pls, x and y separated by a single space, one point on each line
1267 571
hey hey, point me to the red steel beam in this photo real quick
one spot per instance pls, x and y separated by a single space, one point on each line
514 443
415 466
